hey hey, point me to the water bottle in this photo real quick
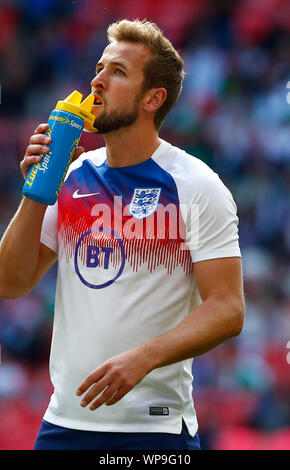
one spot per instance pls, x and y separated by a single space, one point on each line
66 123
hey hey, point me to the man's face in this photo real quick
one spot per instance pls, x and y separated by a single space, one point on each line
118 84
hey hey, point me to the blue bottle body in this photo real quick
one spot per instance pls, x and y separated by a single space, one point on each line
45 178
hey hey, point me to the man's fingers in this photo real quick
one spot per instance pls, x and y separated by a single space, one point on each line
110 382
40 139
89 380
36 149
108 393
38 146
41 128
26 163
117 396
94 391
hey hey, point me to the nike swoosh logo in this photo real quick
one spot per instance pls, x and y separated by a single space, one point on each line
76 194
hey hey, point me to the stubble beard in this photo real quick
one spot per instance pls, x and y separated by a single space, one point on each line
115 120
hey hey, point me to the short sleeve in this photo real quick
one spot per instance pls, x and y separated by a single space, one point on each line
212 223
49 227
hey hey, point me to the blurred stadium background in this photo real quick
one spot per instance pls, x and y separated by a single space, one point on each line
234 115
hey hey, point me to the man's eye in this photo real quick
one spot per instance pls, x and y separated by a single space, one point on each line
119 72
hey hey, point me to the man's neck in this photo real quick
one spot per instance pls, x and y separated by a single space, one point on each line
131 145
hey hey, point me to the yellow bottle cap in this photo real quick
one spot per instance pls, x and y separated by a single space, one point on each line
72 104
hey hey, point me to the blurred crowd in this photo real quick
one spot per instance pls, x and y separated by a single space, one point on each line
233 114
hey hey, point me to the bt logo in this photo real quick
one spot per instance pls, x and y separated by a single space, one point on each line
93 253
93 258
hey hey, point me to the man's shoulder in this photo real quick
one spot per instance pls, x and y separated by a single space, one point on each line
181 164
194 179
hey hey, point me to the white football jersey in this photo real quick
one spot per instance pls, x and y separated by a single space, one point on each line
127 240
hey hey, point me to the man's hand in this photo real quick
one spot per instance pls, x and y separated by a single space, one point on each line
115 378
38 146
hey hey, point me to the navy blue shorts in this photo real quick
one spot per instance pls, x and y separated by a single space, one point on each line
52 437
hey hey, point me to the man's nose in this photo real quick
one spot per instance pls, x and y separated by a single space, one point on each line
98 82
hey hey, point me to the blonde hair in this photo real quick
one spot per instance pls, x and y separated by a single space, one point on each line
164 68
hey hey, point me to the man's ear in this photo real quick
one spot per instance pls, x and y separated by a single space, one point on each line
154 99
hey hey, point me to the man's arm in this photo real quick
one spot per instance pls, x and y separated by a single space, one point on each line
23 259
219 317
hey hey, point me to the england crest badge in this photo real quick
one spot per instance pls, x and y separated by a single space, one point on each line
144 202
